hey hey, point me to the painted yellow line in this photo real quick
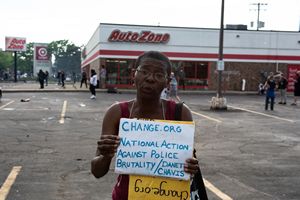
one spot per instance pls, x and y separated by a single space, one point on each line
207 117
263 114
6 104
215 190
5 188
63 112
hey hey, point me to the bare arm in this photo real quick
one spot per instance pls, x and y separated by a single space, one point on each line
108 143
191 165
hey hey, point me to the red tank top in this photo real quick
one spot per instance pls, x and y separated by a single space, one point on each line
120 191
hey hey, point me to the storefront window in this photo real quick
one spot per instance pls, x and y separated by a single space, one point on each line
196 73
119 71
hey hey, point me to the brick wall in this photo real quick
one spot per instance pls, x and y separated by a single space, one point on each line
234 72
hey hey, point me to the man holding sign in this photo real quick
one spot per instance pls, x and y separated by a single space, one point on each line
151 77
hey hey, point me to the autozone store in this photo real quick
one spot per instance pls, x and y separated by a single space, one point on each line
248 55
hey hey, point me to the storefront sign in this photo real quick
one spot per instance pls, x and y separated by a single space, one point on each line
41 53
142 37
15 44
292 69
154 148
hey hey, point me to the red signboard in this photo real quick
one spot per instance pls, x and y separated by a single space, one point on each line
292 69
41 53
15 44
142 37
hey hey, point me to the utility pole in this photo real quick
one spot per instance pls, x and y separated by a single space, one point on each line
258 12
219 102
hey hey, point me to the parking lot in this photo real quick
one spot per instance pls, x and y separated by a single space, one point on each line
47 143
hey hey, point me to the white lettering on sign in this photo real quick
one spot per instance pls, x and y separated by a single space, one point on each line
142 37
15 44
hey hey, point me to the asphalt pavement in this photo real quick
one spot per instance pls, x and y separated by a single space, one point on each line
47 144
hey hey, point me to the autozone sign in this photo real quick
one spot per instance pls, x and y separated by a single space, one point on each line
15 44
142 37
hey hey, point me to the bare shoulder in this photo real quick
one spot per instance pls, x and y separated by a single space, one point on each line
186 114
111 120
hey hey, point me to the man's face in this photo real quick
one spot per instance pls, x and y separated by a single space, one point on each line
151 77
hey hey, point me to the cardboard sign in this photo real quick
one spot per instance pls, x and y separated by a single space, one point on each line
154 148
157 188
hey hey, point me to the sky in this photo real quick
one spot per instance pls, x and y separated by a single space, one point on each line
45 21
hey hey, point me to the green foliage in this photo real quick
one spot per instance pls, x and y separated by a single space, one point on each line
6 61
25 59
67 56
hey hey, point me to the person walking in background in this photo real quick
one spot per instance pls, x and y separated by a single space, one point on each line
282 84
58 77
74 78
173 88
41 77
63 78
83 79
93 83
46 77
181 77
270 86
102 76
296 88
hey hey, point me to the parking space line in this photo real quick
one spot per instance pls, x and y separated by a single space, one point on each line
263 114
6 104
5 188
215 190
207 117
63 112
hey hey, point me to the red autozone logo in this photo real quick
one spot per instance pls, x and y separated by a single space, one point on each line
144 36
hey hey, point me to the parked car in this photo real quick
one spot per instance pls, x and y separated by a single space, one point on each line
0 93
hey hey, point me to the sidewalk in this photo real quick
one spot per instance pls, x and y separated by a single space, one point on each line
69 87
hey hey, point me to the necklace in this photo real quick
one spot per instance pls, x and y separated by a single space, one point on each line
162 107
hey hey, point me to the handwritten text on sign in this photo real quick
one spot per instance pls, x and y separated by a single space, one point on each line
158 188
156 148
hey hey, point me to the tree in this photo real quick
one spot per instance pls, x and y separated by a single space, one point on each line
67 56
6 62
25 59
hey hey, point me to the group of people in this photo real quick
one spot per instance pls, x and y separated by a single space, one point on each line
279 82
43 78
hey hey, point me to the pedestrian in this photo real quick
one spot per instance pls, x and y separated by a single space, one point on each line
41 78
296 88
181 77
102 76
151 77
270 86
282 84
46 77
261 89
173 88
58 77
62 78
165 93
93 83
83 79
74 78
